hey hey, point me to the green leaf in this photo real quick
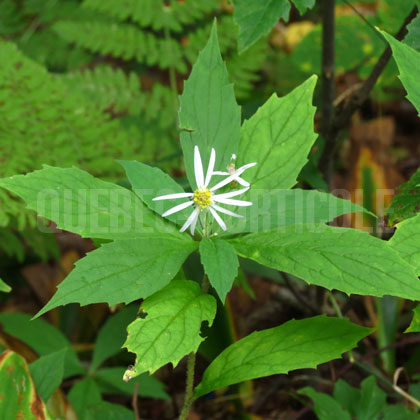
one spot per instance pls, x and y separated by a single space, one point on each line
364 404
294 345
373 400
220 264
106 410
256 18
278 208
18 395
112 335
415 323
325 407
149 182
41 337
335 258
171 328
123 271
406 203
399 412
303 5
47 373
413 37
80 203
111 381
83 395
348 397
4 287
408 62
209 115
279 137
406 241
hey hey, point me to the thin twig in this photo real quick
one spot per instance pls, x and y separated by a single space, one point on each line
400 391
343 115
360 15
370 354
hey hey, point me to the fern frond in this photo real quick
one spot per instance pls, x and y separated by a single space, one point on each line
123 41
45 121
110 89
156 14
113 90
160 103
244 69
47 11
52 51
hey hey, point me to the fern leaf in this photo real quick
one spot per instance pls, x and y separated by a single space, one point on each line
156 14
123 41
108 88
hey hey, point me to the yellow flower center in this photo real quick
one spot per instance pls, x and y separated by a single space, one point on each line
202 198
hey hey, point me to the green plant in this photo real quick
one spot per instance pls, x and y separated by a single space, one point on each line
122 102
58 361
347 402
145 248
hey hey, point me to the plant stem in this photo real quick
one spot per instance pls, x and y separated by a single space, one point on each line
340 315
205 284
328 86
335 305
135 402
189 393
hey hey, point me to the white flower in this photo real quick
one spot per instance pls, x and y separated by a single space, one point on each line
235 172
203 198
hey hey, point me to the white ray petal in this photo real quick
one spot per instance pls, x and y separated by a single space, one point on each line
231 202
191 217
245 167
198 168
218 218
177 208
211 167
226 211
195 220
233 177
224 182
171 196
231 193
220 173
242 182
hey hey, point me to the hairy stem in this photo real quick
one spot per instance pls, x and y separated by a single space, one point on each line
205 284
189 392
135 402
